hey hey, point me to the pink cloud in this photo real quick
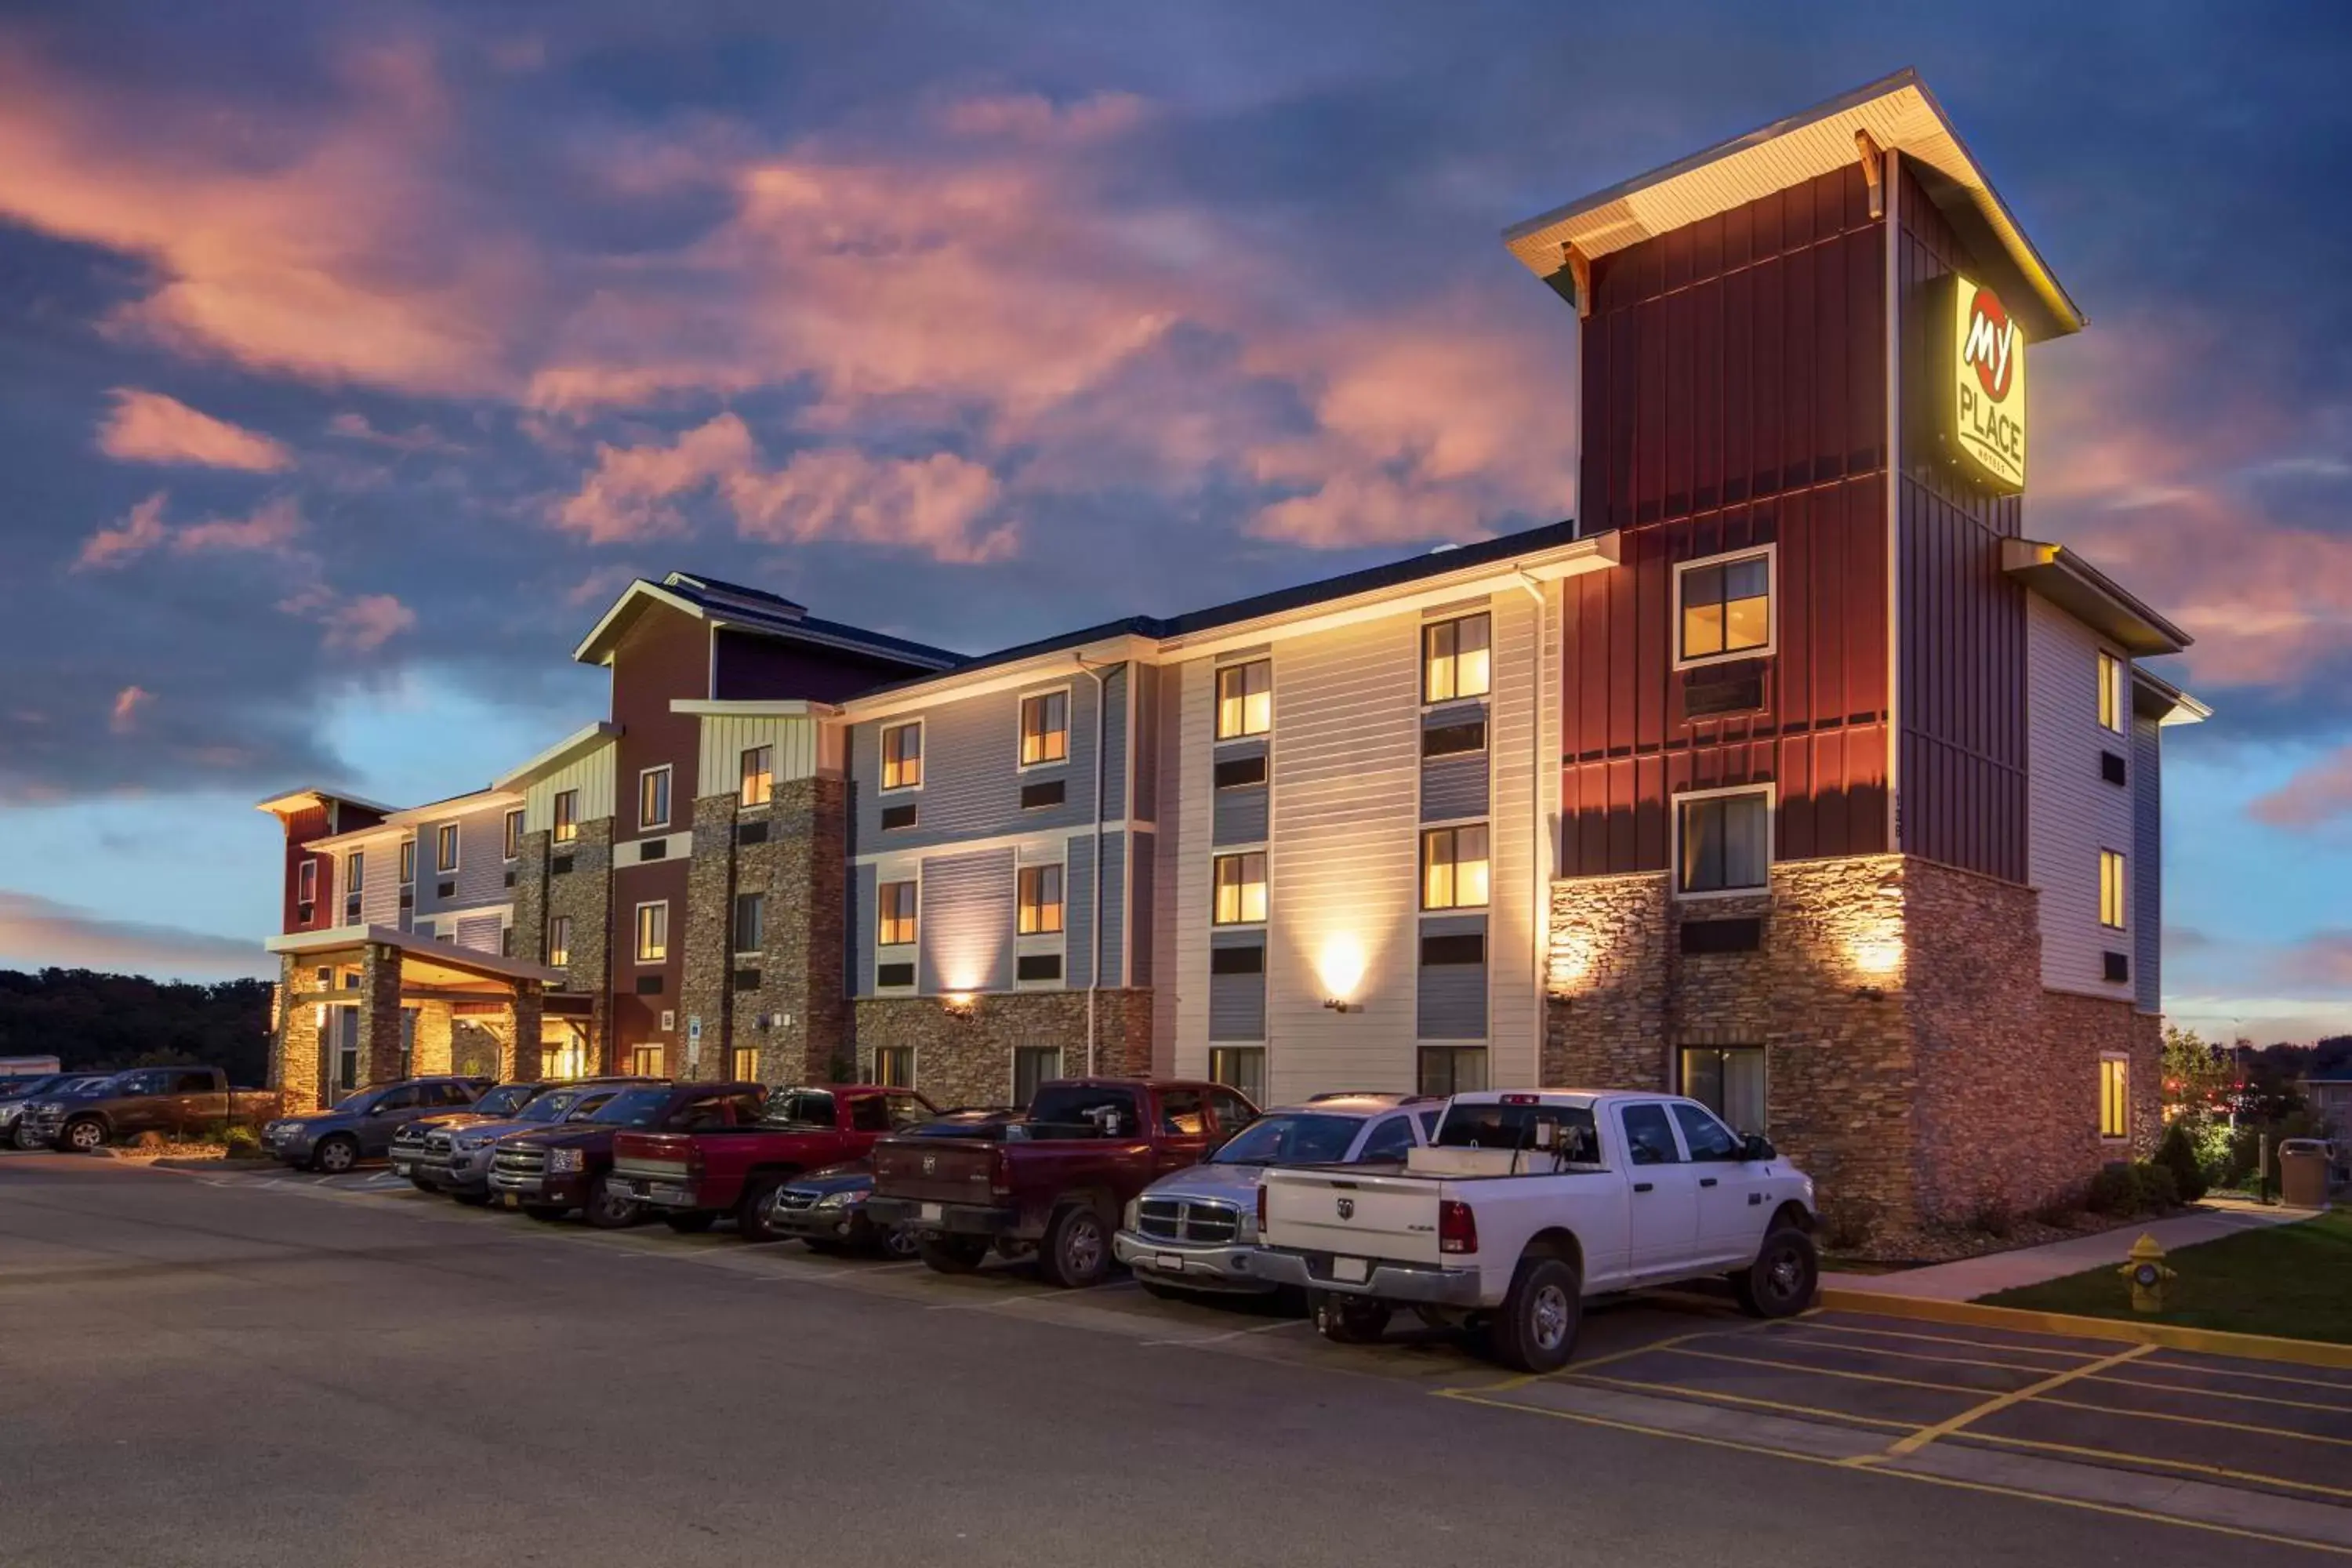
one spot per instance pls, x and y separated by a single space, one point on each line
141 530
630 493
366 623
270 528
2320 794
149 427
124 718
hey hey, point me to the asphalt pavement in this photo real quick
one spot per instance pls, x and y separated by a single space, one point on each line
225 1369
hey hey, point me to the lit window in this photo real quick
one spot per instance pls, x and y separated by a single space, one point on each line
2111 890
1448 1070
2114 1098
751 921
445 847
1044 728
652 933
902 756
1245 698
514 834
1454 867
1241 889
1727 607
653 797
355 872
894 1065
2111 692
306 881
567 815
408 861
1032 1067
1724 843
894 914
1727 1080
758 775
1041 900
1453 658
743 1064
1240 1068
646 1061
558 941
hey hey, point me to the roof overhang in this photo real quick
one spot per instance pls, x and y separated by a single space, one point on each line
1119 648
2153 696
295 800
562 754
782 708
1898 112
2090 596
781 620
597 648
424 961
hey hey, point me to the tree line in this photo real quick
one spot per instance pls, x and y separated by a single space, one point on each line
97 1023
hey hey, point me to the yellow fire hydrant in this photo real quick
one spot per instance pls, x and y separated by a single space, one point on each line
2147 1274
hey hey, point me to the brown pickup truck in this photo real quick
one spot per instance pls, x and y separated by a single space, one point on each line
1054 1181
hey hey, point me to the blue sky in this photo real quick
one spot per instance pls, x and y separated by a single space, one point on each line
350 359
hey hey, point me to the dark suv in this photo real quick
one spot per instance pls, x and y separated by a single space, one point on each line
360 1128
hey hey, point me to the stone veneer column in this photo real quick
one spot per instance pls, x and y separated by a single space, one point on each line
294 1051
704 993
519 1060
379 1004
584 893
434 1038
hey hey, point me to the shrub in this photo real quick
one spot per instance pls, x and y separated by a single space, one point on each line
2177 1152
2061 1212
2113 1191
241 1139
2154 1188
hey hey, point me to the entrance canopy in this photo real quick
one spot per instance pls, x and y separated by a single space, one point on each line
428 968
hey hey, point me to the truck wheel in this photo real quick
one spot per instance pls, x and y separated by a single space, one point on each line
951 1254
335 1155
1781 1281
693 1222
84 1135
896 1243
752 1214
1349 1319
1076 1253
607 1207
1535 1327
24 1138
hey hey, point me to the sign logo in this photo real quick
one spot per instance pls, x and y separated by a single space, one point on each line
1988 398
1347 1208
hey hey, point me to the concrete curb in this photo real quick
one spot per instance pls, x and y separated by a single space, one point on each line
2169 1336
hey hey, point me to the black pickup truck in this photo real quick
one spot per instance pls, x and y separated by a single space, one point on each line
177 1102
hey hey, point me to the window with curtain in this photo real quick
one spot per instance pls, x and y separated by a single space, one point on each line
1245 698
1454 660
1724 842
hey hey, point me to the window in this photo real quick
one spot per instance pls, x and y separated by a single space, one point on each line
1245 698
1727 1080
1044 793
514 834
743 1064
1240 889
894 921
652 933
1454 867
2115 1097
1045 728
1451 1070
306 882
2111 889
558 941
1040 901
751 922
506 942
1709 1141
1724 842
1034 1066
653 797
2111 692
645 1061
1240 772
902 756
758 775
567 815
408 861
894 1067
894 976
1391 1139
1649 1136
445 847
1725 607
1453 659
355 872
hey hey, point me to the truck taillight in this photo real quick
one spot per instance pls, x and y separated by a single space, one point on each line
693 1157
1458 1227
1000 1173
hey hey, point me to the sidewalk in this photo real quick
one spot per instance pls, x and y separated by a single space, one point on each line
1972 1278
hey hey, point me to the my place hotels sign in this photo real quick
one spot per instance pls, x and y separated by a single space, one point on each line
1987 372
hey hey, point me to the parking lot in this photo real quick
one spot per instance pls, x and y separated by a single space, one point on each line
340 1347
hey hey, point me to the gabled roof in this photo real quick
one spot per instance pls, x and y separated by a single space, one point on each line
730 604
1897 111
564 752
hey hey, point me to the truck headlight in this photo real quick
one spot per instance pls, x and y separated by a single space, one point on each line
565 1160
1129 1219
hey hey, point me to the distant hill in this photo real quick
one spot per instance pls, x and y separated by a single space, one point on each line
92 1021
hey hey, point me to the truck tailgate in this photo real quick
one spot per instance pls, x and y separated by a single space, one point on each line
1393 1217
659 1155
934 1170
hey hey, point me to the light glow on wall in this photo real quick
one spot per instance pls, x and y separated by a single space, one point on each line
1878 953
1341 965
1574 955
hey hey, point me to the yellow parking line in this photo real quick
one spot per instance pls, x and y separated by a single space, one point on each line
1911 1356
2000 1402
2110 1455
2116 1510
1525 1378
1675 1391
1834 1371
1948 1340
2235 1372
2201 1421
2225 1393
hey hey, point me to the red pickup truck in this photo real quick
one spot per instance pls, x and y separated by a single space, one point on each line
1055 1180
691 1179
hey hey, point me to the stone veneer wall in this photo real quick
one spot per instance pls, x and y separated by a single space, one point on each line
296 1068
584 893
801 868
969 1060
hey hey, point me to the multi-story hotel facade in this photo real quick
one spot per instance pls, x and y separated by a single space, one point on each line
1793 773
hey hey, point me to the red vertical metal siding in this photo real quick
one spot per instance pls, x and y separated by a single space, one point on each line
665 655
1734 392
1963 797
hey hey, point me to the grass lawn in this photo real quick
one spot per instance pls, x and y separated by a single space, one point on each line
2294 1280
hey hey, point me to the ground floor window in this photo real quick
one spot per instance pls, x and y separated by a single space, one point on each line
1727 1080
2115 1097
564 1060
894 1067
743 1064
1452 1069
646 1061
1240 1068
345 1027
1033 1066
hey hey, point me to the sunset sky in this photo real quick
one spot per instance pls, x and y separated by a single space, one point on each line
352 358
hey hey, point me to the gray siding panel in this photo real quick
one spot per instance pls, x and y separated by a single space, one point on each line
1237 1002
1114 741
1241 816
1147 743
966 922
2148 861
1078 907
1454 787
1140 905
864 881
1452 1004
972 773
1114 927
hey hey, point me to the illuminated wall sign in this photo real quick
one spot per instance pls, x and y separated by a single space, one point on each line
1988 370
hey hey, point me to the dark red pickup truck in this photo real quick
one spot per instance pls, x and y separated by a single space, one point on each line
691 1179
1054 1180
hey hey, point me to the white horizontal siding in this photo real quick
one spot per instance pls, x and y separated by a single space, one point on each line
591 776
2073 813
726 737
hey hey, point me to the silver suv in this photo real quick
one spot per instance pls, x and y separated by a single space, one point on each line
1196 1229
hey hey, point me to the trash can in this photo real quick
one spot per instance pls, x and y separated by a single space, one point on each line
2302 1172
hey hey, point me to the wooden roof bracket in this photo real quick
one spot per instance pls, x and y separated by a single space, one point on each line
1578 266
1873 171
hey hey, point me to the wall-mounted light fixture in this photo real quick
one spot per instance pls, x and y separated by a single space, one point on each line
1338 1005
1341 966
960 1004
1869 993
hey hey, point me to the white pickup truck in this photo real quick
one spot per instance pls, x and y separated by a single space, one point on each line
1527 1201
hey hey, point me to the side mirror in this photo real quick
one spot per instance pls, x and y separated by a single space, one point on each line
1756 1148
